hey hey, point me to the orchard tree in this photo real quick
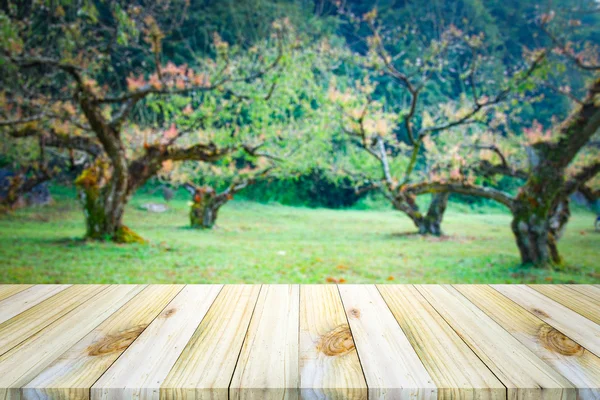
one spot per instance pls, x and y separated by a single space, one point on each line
550 162
404 97
281 134
70 80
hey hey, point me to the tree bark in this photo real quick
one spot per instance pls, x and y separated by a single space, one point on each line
531 229
103 211
430 223
205 207
433 220
203 217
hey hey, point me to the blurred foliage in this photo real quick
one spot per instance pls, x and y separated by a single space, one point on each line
507 26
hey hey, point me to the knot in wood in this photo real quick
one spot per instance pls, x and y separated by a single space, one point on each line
354 313
540 313
557 342
115 343
168 313
336 342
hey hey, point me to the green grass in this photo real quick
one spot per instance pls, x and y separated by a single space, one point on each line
258 243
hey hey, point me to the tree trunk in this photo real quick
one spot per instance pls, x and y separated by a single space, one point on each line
433 220
203 216
429 224
103 210
205 207
534 235
559 216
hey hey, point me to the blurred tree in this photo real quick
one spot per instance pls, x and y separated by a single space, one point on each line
60 87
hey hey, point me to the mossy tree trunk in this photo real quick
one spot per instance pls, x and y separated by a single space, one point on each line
541 209
205 208
102 210
430 223
206 202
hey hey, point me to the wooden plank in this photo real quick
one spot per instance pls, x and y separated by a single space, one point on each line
142 368
569 297
454 368
329 365
29 322
206 365
8 290
268 364
72 375
575 363
24 300
565 320
592 291
391 367
29 358
523 373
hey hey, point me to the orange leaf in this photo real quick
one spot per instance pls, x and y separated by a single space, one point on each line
390 278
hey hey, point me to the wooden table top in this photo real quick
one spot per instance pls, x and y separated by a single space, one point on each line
299 341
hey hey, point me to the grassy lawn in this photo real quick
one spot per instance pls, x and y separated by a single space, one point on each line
258 243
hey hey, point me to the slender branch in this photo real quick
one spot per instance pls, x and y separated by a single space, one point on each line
497 99
567 52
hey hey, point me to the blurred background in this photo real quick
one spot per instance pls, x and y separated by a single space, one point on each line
297 141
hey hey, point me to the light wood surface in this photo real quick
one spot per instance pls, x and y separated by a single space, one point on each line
268 363
329 365
8 290
142 368
29 322
570 296
590 291
574 362
72 374
221 342
452 365
206 365
565 320
392 367
23 362
523 373
24 300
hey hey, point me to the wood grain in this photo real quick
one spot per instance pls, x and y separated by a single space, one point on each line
391 366
29 358
591 291
72 374
524 374
329 365
142 368
299 341
575 363
206 365
454 368
565 320
29 322
580 300
8 290
268 364
24 300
